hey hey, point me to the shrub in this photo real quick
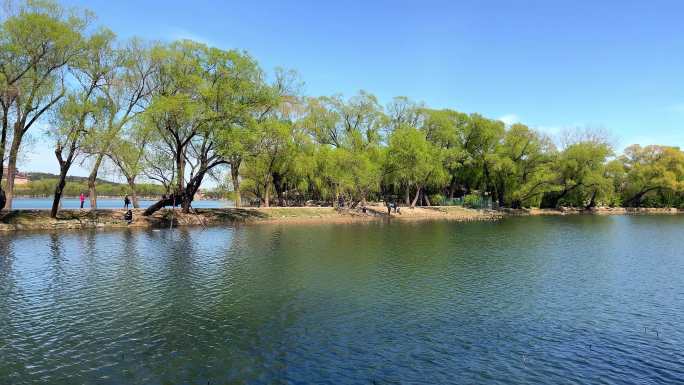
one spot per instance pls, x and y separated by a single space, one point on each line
472 201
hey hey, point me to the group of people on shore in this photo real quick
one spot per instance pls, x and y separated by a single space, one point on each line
127 201
128 217
392 206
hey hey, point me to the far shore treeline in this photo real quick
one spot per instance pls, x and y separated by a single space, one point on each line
175 114
42 185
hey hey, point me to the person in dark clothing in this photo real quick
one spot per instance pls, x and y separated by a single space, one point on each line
389 208
127 202
128 217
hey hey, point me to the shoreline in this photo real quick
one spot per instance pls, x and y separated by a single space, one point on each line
77 219
593 211
110 197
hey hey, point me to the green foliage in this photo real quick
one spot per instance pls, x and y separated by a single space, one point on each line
413 160
521 167
652 174
580 175
472 201
46 187
175 113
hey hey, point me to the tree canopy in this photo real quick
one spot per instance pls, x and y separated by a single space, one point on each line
177 113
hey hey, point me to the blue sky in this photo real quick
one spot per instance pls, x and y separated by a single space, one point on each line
615 65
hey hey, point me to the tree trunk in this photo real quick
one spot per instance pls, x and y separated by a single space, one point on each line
336 200
501 196
185 202
452 187
278 185
407 195
92 194
555 200
92 178
636 199
169 201
592 201
485 182
59 189
9 179
184 197
191 189
234 173
134 193
267 192
11 171
64 166
415 199
427 200
180 169
3 143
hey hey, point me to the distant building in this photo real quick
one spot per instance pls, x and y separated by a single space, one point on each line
20 178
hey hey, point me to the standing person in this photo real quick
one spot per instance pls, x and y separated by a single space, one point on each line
82 198
127 202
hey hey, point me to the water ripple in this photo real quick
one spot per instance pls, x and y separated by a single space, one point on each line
526 300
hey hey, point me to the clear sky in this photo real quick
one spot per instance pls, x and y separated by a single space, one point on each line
615 65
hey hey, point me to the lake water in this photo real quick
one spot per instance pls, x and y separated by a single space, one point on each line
556 300
74 203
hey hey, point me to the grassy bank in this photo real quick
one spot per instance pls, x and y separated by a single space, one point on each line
83 219
594 211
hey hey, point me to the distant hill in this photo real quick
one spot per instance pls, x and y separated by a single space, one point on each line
43 184
34 176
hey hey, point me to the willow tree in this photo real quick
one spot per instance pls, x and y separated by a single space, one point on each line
238 143
413 160
242 139
351 130
157 163
82 110
402 111
126 90
128 155
651 169
200 92
37 41
446 129
521 173
271 165
579 172
482 137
